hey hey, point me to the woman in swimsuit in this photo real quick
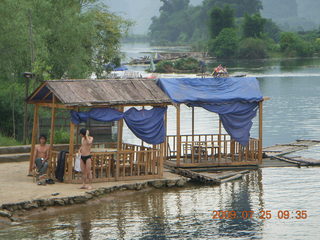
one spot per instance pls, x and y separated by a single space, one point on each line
85 163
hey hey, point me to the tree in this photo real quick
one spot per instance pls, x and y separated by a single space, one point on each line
241 7
253 48
52 39
225 45
293 45
253 26
220 19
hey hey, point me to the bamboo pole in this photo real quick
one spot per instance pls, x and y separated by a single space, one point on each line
192 145
53 117
160 164
219 140
77 132
34 137
71 149
178 136
119 144
166 139
260 132
120 132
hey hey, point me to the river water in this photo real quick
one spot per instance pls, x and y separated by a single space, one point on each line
187 213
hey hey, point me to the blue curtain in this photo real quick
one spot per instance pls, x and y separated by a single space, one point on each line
235 117
148 125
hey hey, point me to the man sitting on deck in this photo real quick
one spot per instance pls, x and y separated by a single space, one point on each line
41 156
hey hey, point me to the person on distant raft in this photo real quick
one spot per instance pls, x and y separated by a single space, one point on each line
85 163
41 156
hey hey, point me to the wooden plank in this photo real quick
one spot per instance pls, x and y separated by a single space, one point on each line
34 136
178 135
53 118
71 151
260 131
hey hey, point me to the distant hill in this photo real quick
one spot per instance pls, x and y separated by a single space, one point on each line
141 11
292 14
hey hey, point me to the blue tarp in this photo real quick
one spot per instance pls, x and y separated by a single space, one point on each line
148 125
234 99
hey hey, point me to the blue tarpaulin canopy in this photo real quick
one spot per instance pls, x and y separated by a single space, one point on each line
148 125
234 99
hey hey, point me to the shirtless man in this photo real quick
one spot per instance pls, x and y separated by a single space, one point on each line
41 156
85 163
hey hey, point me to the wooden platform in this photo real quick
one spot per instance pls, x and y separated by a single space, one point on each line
294 153
216 177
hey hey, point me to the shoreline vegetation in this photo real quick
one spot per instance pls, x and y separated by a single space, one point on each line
229 30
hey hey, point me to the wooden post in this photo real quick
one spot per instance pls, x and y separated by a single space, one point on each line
53 117
120 132
34 136
71 149
161 157
166 140
219 140
192 145
178 136
260 132
119 145
77 133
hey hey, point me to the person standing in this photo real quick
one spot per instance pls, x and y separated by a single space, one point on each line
85 163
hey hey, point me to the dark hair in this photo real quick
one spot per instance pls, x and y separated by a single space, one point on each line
43 136
83 131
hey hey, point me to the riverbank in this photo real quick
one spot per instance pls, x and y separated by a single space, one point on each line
20 195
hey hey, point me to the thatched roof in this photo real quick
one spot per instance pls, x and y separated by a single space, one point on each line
100 92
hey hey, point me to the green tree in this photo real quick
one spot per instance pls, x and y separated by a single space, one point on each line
253 48
225 45
52 39
293 45
241 7
220 19
253 26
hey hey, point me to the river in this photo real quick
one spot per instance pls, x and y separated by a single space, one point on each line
187 213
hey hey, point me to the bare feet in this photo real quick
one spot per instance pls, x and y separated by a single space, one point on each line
89 188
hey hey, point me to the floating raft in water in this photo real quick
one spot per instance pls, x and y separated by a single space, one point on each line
211 177
300 152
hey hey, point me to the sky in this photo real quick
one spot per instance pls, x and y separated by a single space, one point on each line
141 12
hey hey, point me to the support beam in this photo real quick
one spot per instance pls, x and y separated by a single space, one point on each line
119 144
166 140
219 140
178 136
260 131
71 150
34 136
120 131
53 118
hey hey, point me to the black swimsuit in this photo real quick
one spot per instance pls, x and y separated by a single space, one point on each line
85 158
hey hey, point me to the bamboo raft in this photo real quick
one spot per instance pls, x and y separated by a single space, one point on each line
293 152
210 178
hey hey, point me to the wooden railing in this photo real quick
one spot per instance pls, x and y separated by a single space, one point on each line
132 162
211 149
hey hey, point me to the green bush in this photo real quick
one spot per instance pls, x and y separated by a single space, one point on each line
225 45
164 67
186 64
294 46
8 141
253 48
61 136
